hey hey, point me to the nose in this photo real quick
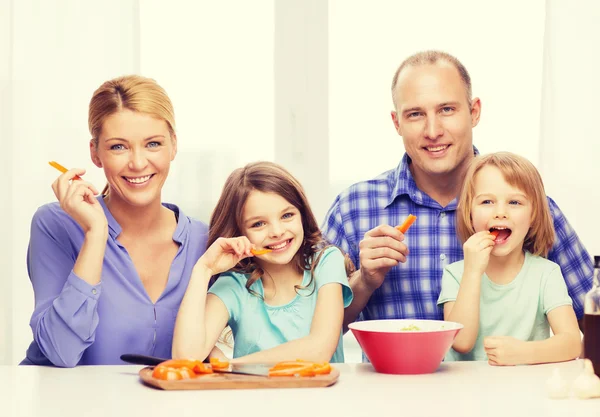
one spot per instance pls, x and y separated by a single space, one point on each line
137 160
276 230
500 211
433 128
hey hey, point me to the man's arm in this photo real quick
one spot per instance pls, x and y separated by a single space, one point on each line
572 257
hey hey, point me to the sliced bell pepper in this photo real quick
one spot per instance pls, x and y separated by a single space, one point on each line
169 373
216 363
300 368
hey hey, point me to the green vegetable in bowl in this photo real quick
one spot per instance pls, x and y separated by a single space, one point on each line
410 328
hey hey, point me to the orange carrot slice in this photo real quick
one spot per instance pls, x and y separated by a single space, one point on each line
407 223
260 251
62 169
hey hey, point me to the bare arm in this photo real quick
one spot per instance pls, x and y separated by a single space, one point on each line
322 341
564 345
465 310
202 318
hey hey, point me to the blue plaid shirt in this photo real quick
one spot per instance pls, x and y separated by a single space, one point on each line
411 289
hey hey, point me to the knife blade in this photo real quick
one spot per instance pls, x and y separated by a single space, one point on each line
242 369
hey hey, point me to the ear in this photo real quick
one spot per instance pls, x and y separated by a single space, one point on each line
94 154
475 111
394 115
174 142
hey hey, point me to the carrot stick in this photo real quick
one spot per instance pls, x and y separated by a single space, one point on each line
260 251
407 223
62 169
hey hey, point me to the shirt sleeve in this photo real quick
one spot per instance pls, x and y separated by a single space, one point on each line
229 289
555 292
65 316
334 232
330 270
450 286
572 257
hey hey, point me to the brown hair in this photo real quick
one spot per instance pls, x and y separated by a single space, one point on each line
131 92
432 57
268 177
520 173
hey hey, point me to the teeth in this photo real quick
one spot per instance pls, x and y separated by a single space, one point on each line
437 148
138 180
282 245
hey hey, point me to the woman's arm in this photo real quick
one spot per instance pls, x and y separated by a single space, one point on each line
65 317
321 342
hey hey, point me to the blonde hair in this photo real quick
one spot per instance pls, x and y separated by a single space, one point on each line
430 58
130 92
520 173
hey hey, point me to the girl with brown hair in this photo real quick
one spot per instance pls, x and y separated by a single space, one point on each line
282 290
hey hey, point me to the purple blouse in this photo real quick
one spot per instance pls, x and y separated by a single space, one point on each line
75 323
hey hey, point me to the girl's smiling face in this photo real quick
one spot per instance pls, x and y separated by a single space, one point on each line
270 221
498 205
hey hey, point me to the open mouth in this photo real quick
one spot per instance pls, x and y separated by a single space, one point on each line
502 234
138 180
280 246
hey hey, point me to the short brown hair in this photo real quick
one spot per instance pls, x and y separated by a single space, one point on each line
267 177
432 57
520 173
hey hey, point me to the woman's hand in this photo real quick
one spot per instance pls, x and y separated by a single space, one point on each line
77 199
224 254
477 251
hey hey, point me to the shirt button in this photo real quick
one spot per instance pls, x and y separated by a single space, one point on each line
443 214
443 256
94 291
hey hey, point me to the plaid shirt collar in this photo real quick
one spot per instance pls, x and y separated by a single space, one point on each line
403 183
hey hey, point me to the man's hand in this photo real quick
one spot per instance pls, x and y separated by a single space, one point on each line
505 350
381 249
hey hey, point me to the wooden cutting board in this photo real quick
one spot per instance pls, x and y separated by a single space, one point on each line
237 381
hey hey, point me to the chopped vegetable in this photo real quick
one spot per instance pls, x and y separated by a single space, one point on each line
300 368
410 328
407 223
216 363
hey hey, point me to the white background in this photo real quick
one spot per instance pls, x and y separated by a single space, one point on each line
301 82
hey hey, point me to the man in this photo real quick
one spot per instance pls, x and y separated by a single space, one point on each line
435 113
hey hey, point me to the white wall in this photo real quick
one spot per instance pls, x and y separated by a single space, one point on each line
236 77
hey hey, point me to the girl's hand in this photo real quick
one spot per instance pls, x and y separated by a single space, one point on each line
477 251
224 254
77 199
505 350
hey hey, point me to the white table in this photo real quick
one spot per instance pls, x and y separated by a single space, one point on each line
456 389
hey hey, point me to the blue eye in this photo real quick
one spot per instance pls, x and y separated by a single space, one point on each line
486 202
447 109
258 224
287 216
515 202
154 144
118 147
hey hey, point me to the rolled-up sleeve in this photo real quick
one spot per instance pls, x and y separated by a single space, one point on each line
65 317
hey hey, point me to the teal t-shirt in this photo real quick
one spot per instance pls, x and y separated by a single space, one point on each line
257 326
516 309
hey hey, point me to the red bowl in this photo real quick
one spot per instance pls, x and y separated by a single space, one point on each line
393 348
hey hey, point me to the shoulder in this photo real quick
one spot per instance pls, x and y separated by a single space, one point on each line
328 255
380 185
541 266
231 280
455 269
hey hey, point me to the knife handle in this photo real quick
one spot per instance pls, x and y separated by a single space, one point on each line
141 359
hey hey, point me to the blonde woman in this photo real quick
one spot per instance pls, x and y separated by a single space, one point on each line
505 292
110 271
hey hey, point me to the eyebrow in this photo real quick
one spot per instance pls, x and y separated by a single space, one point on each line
493 195
125 140
254 218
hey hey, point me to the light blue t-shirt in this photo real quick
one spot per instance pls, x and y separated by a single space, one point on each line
257 326
516 309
